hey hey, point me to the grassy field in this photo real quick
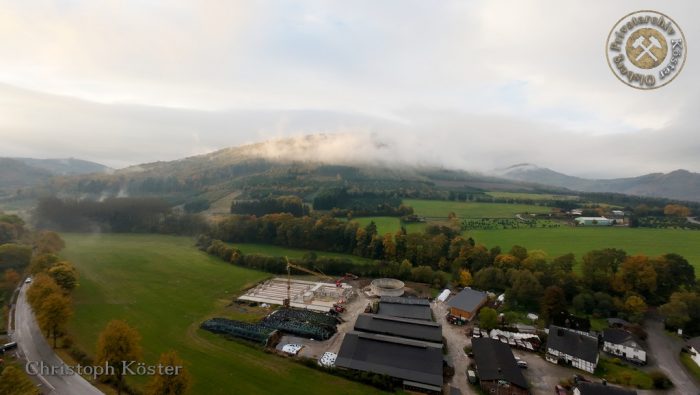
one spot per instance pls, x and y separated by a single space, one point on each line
165 288
384 224
439 208
273 250
559 241
689 364
619 373
532 196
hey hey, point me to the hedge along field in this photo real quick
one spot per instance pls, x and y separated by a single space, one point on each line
579 240
165 288
441 208
273 250
532 196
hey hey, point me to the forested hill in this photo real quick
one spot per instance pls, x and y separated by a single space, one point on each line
256 171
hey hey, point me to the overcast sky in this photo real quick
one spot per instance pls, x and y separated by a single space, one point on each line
470 84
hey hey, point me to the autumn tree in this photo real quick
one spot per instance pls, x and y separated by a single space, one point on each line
676 210
15 382
65 275
48 242
118 344
42 286
465 278
553 301
635 307
636 274
490 278
53 314
42 262
11 278
488 318
173 379
599 266
525 289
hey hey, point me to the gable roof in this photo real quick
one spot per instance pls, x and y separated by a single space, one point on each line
413 308
619 336
571 343
402 327
603 389
495 361
695 343
411 360
467 299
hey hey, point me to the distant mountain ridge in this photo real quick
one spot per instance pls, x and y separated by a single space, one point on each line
26 172
678 184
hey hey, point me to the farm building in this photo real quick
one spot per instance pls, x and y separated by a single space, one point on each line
585 388
497 369
309 295
417 363
413 308
572 348
466 303
694 347
621 343
428 331
593 221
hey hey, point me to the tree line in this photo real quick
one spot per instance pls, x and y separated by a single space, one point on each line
134 215
281 204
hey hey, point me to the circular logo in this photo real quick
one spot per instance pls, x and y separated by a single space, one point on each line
646 49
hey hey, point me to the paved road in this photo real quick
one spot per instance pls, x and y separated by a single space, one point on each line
456 339
664 351
33 347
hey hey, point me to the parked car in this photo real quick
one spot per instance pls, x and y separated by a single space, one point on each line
28 280
559 390
522 364
8 346
471 376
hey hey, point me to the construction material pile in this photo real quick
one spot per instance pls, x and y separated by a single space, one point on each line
254 332
302 323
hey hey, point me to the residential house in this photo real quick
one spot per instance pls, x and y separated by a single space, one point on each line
572 348
694 348
497 369
621 343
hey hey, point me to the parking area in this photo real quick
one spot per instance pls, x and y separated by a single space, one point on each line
456 339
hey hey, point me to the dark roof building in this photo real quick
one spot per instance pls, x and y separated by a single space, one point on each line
570 346
618 336
417 363
496 367
570 321
428 331
467 303
601 389
413 308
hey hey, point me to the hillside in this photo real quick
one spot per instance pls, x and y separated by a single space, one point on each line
299 166
679 184
67 166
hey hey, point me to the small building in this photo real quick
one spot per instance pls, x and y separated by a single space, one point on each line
413 308
621 343
466 303
618 213
444 295
593 221
585 388
497 369
428 331
694 348
418 364
617 323
569 321
568 347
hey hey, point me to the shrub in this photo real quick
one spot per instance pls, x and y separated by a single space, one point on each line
660 380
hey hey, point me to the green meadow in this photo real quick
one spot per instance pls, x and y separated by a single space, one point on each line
441 208
165 288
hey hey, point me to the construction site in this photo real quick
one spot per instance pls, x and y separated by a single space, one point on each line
309 295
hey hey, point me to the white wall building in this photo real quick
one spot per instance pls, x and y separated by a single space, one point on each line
568 347
694 346
621 343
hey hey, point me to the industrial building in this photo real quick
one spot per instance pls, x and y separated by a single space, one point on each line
417 363
594 221
316 296
497 369
466 303
428 331
413 308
